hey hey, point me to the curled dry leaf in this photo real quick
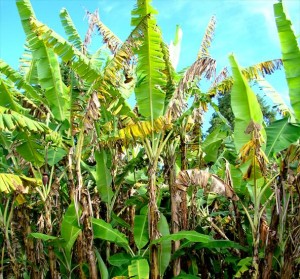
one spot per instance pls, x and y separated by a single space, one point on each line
195 177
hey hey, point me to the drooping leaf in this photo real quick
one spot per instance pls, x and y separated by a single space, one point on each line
280 135
68 53
189 235
142 129
103 176
109 38
165 247
119 221
139 269
119 259
224 82
30 149
244 105
140 231
12 182
84 67
276 98
42 236
105 231
261 69
8 96
212 144
19 81
290 55
206 67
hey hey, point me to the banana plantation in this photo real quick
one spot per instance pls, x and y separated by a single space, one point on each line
93 186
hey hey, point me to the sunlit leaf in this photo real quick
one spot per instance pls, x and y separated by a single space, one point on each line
139 269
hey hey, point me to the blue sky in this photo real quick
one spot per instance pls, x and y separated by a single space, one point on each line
244 27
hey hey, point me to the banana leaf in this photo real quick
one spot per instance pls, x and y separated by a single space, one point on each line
149 95
101 265
70 29
245 107
105 231
139 269
189 235
140 231
119 259
103 176
280 135
49 75
19 81
8 96
165 247
11 182
290 55
70 230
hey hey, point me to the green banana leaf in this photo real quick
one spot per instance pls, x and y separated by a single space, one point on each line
274 95
101 265
280 135
140 231
54 155
149 95
290 55
139 269
84 67
80 62
8 96
11 120
119 259
19 81
70 230
189 235
105 231
103 176
165 247
27 66
50 79
43 236
70 29
212 144
31 149
49 75
118 220
245 107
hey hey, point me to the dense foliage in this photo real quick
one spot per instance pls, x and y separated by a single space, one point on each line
91 187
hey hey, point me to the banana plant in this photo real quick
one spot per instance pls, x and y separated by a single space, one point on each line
110 165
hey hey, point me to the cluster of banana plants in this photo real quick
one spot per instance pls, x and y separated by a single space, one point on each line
93 186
